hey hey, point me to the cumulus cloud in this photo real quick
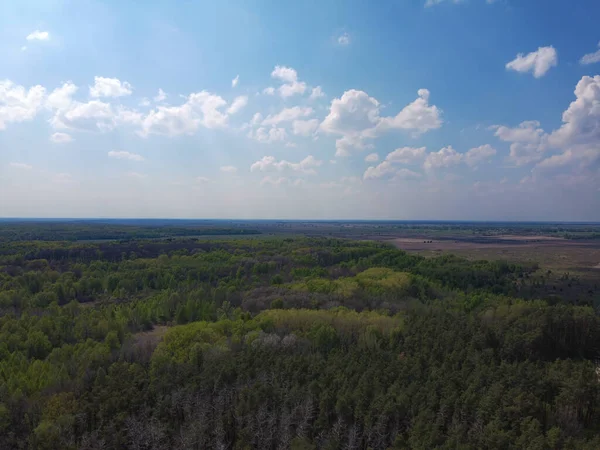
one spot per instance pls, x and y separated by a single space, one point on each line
528 141
61 138
110 87
591 58
62 97
18 104
269 90
94 115
200 109
235 81
22 166
270 163
273 181
384 168
305 127
291 86
417 117
228 169
406 174
268 135
479 154
581 121
356 116
372 157
125 155
406 155
161 96
446 157
538 62
238 104
38 35
316 92
343 39
288 115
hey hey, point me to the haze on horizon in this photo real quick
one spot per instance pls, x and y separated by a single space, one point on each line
423 109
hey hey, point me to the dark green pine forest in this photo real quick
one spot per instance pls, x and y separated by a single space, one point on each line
296 343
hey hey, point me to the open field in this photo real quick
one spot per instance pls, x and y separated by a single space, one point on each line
549 252
569 268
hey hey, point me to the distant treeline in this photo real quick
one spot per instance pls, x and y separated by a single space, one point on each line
51 231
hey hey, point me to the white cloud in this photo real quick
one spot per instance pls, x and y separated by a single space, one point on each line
569 157
446 157
109 87
161 96
305 127
202 179
406 155
62 97
591 58
352 114
273 181
93 115
343 39
418 116
316 92
538 62
291 84
479 154
235 81
268 135
270 163
38 35
269 90
406 174
581 121
228 169
18 104
384 168
23 48
346 144
286 74
528 141
372 157
238 104
200 109
288 90
22 166
125 155
61 138
288 115
356 117
145 102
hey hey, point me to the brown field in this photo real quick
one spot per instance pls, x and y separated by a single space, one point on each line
548 252
568 268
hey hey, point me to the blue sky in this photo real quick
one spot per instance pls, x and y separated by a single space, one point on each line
406 109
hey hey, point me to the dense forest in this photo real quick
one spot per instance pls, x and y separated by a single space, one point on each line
285 343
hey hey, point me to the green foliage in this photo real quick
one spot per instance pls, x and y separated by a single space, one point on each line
284 343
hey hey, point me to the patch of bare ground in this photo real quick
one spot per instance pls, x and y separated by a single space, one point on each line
151 338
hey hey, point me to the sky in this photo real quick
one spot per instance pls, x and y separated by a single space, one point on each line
389 109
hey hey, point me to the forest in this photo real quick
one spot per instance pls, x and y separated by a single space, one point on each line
140 341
